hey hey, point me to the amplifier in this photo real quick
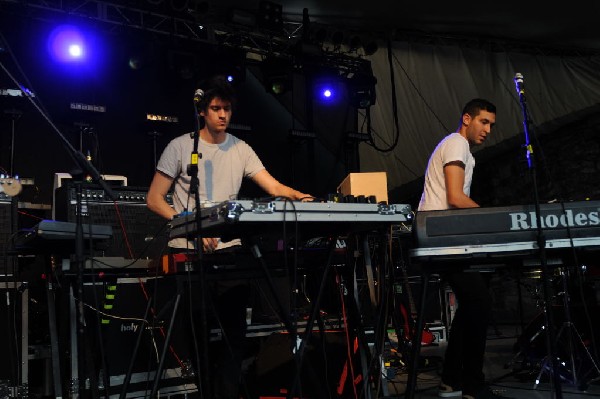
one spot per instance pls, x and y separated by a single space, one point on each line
8 225
131 220
123 301
14 339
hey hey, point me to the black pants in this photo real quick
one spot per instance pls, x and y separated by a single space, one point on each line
463 362
227 297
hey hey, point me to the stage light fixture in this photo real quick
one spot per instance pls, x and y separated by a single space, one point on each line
361 90
231 64
67 44
75 50
270 16
328 90
277 77
135 62
234 73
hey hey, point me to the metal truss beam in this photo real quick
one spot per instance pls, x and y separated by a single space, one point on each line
206 26
125 14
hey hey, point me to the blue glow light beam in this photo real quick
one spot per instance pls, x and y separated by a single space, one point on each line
67 44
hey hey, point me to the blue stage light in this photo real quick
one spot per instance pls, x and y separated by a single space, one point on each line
328 90
67 44
75 50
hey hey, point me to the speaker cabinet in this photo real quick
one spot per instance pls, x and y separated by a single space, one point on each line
8 225
14 339
137 231
123 302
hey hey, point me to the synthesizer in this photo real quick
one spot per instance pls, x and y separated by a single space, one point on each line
59 237
500 232
246 217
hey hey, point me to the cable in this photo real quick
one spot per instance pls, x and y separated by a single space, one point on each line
349 351
123 230
394 107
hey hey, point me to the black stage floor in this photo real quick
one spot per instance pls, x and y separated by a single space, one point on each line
510 373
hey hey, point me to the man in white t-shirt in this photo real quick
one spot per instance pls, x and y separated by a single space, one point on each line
225 161
448 185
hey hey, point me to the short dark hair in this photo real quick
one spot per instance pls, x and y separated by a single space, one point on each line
216 87
476 105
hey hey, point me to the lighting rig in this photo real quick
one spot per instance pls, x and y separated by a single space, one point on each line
263 35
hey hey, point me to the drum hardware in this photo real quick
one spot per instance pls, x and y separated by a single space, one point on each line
577 365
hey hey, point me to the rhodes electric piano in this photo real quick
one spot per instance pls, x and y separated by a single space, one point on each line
497 234
245 217
498 237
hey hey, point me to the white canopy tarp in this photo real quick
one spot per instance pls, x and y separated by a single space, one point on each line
434 81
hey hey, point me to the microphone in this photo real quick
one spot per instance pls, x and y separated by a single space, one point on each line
519 84
198 94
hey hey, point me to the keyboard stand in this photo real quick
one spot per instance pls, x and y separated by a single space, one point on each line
55 353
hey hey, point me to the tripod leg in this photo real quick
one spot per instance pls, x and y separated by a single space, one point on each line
75 375
411 385
58 390
161 364
271 285
300 349
539 376
135 351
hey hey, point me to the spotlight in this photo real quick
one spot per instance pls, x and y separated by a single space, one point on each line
66 44
231 64
75 50
277 77
328 90
278 85
136 62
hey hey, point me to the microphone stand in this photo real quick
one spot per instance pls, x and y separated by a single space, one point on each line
541 241
204 388
86 168
202 375
14 115
154 134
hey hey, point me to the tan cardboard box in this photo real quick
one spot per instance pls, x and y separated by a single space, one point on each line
368 183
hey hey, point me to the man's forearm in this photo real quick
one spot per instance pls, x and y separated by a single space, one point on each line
161 207
462 201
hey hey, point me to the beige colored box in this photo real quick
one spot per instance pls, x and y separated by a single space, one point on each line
369 183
